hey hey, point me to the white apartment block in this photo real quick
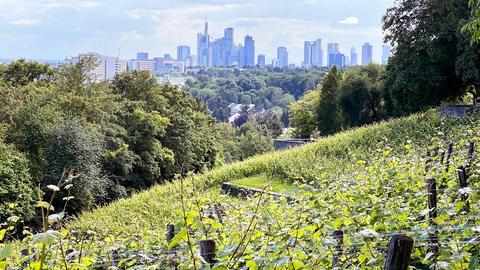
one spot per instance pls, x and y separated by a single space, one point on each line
106 67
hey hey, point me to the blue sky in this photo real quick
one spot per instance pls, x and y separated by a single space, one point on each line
54 29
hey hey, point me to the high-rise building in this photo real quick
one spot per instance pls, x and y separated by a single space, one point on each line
317 56
203 51
367 54
105 68
183 52
386 54
332 48
313 53
282 56
241 55
142 55
337 59
353 57
261 60
249 51
228 54
307 53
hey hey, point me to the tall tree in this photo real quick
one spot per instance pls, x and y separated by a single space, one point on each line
21 73
361 96
428 43
328 111
473 26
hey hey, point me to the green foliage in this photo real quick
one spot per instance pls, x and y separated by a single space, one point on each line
426 70
329 118
71 144
251 142
362 96
473 26
17 192
239 143
128 134
267 89
303 114
21 73
369 182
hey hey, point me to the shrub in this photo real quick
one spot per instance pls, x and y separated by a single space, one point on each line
17 193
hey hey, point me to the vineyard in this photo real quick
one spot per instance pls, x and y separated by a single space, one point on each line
416 176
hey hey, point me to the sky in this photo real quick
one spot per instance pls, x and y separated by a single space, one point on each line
54 29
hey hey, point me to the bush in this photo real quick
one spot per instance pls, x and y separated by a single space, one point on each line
17 194
72 145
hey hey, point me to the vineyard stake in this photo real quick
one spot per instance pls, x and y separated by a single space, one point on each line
399 252
338 236
471 149
432 214
170 234
462 183
207 252
449 155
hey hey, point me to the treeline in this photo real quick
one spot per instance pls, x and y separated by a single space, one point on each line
270 90
433 61
117 136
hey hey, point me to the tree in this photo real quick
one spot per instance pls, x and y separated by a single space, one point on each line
361 96
17 192
21 73
473 25
303 114
71 144
424 69
252 142
328 111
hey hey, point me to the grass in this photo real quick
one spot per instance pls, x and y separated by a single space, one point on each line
264 182
369 179
329 157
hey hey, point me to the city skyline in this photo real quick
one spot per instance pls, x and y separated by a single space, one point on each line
29 30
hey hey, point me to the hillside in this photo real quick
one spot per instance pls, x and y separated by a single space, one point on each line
368 182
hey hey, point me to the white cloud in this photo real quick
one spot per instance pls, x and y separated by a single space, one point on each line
349 20
27 22
86 4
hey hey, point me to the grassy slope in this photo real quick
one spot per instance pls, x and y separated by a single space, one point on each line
371 177
152 209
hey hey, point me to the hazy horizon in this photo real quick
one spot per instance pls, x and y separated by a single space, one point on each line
57 29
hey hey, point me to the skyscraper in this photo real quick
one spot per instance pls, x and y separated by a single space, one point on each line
261 60
282 56
336 59
332 48
203 51
307 54
142 55
367 54
228 53
353 57
317 56
183 52
249 51
313 53
386 54
241 55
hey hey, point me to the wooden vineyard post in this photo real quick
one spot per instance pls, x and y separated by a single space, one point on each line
462 183
170 234
24 253
432 214
471 149
338 236
449 156
399 252
208 252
